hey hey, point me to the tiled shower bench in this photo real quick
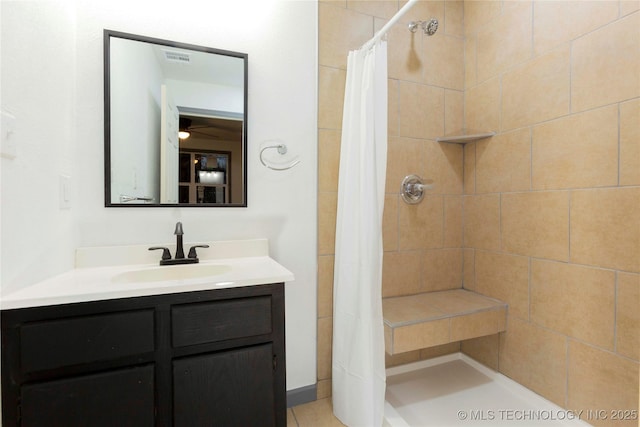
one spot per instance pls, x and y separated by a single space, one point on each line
432 318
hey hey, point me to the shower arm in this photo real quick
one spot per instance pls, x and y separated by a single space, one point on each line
389 24
429 27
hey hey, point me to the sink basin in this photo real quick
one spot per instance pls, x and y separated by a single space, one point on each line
175 272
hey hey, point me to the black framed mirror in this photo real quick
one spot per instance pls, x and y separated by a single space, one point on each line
175 123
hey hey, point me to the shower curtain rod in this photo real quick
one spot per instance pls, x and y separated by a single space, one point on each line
389 24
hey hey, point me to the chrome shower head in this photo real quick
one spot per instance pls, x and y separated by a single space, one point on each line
428 27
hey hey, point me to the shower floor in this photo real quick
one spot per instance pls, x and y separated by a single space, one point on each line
455 390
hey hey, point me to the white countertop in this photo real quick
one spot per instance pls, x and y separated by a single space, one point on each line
247 263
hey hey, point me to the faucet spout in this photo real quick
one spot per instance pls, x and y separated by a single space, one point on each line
179 247
178 229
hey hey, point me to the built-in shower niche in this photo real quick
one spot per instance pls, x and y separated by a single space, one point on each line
433 318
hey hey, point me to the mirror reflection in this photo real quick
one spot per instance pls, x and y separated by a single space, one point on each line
175 123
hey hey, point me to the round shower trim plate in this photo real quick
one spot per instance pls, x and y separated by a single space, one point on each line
412 189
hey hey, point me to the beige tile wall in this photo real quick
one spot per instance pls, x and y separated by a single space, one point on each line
551 203
543 216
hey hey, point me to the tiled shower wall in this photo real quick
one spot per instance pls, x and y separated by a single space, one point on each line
544 215
552 203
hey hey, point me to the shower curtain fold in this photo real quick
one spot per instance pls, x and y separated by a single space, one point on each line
358 370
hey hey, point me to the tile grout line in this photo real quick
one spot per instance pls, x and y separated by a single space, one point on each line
615 312
570 76
567 366
619 143
530 158
529 286
295 419
570 194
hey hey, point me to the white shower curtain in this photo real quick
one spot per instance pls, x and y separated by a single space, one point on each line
358 375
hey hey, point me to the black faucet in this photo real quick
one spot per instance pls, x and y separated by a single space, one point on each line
179 258
179 233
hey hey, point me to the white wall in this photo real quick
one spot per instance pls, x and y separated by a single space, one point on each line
135 120
280 39
207 96
38 66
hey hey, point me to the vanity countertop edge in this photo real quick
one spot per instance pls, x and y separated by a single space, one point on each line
248 263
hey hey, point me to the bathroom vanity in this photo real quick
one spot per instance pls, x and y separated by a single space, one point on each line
211 354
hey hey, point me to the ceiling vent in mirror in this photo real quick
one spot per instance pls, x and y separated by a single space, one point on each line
174 56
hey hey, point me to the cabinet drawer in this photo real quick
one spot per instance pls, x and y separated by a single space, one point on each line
78 340
208 322
123 398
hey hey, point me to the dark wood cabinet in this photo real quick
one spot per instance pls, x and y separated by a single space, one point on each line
122 397
197 401
206 358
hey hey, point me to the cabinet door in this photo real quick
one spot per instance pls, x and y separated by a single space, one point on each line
118 398
231 388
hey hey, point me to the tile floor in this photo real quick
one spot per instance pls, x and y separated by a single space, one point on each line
313 414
